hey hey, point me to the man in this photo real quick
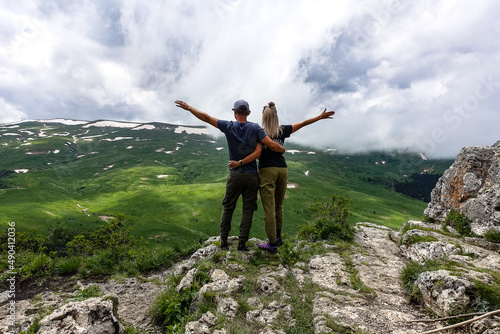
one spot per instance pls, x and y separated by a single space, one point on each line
244 142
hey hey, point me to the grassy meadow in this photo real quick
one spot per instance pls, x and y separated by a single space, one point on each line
171 185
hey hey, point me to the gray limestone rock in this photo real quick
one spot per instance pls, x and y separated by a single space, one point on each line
203 325
134 299
187 280
91 316
444 293
268 285
359 289
471 186
227 306
221 283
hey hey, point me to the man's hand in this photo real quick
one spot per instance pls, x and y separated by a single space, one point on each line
197 113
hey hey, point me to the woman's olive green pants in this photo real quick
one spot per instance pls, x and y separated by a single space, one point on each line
273 181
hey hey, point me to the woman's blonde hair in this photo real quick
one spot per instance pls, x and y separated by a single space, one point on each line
270 121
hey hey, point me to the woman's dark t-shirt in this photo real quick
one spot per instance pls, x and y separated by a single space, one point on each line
269 158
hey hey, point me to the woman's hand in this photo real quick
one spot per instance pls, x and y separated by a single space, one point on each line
234 164
184 105
326 114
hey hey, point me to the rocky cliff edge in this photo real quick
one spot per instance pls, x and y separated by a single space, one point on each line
471 186
356 288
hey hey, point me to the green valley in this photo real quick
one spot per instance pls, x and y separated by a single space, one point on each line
170 180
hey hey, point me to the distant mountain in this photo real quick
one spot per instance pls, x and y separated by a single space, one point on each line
170 179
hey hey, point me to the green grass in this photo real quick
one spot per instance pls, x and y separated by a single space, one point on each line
77 186
492 236
414 239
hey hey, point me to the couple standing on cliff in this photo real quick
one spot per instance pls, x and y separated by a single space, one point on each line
246 142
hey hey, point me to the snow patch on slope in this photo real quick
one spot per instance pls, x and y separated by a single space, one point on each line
114 124
198 131
145 127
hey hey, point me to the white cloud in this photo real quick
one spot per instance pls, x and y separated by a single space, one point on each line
9 113
398 73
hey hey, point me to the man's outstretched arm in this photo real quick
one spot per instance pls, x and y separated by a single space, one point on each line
197 113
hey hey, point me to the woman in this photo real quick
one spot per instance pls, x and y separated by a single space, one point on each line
273 173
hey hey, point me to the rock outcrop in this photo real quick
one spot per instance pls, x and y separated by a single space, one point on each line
471 186
357 289
91 316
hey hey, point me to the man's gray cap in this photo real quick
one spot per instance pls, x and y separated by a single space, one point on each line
241 105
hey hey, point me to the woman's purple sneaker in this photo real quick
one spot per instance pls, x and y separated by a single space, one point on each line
267 247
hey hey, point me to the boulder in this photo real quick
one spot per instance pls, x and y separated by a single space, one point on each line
135 297
221 283
268 285
202 326
328 271
444 293
270 314
187 280
91 316
202 253
425 251
471 186
227 306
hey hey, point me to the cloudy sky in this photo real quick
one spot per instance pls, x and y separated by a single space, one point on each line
423 75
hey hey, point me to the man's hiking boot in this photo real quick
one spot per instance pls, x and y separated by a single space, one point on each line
223 243
268 247
279 241
242 247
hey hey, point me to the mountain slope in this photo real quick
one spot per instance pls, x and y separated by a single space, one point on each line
170 179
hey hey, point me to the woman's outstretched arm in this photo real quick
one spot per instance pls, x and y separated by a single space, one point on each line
324 115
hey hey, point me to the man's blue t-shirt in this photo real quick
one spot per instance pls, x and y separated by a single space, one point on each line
242 138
